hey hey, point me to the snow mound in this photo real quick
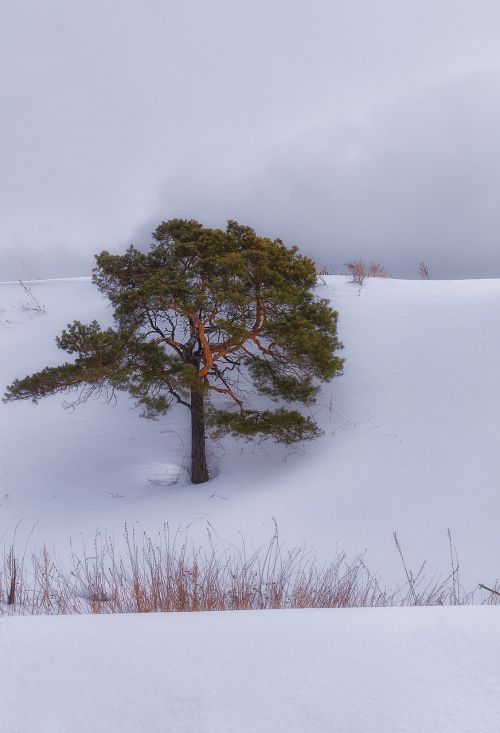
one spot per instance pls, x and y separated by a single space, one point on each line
163 474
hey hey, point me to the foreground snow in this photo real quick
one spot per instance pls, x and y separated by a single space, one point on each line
410 444
418 670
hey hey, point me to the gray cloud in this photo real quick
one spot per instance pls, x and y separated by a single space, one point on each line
353 128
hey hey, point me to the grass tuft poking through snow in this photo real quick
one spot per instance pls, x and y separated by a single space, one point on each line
163 574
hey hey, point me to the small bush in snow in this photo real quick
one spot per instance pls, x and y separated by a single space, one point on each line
423 271
360 271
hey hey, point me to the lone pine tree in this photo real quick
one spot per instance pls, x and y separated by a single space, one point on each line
204 312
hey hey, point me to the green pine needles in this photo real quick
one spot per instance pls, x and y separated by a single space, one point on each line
205 313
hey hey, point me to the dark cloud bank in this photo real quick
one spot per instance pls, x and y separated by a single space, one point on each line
354 129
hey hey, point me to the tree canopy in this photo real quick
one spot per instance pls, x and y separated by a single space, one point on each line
204 312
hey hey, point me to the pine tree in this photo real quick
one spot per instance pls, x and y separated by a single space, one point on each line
200 313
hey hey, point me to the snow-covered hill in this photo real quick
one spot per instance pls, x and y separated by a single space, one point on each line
411 438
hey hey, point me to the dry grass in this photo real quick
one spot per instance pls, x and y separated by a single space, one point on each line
360 271
423 271
162 574
375 269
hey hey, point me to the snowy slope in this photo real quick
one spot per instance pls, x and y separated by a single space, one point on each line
411 438
412 670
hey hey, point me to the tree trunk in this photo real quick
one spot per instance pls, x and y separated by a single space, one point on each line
199 471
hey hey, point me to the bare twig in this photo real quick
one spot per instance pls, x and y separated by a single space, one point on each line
490 590
31 305
11 596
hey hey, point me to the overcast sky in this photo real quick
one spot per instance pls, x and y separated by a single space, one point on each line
353 128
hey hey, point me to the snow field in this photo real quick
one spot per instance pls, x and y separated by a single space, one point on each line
412 670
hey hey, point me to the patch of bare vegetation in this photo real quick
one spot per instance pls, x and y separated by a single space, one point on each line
375 269
322 271
162 574
359 271
423 271
31 304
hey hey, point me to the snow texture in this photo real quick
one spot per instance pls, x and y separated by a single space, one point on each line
411 670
